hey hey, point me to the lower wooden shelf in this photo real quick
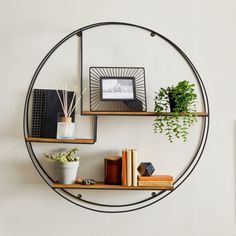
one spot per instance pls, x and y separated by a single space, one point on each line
103 186
54 140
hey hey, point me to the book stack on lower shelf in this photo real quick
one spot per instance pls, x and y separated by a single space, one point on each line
164 181
129 167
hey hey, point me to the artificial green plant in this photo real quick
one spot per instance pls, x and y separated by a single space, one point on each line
181 101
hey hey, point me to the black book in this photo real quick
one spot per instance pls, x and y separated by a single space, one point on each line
46 112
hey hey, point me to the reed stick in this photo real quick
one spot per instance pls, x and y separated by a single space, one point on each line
61 101
72 100
68 110
77 101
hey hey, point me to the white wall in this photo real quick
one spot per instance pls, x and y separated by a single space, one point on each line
205 204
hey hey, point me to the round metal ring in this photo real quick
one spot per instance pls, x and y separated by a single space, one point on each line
155 197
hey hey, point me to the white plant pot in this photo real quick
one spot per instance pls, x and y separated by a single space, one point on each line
66 172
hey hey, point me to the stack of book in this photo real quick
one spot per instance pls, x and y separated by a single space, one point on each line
156 180
129 167
129 175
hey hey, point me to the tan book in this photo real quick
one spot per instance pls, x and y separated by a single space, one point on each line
129 167
134 167
156 178
124 168
155 183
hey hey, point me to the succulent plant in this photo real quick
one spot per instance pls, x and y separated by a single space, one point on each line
64 157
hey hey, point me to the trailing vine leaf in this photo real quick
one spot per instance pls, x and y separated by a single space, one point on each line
180 98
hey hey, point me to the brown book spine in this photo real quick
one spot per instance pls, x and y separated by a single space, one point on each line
156 178
129 167
134 167
124 167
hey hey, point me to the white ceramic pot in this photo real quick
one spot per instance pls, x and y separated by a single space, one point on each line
66 172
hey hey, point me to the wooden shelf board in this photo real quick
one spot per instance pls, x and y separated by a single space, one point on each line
54 140
109 187
143 113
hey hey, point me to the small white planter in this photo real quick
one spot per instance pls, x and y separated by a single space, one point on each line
66 172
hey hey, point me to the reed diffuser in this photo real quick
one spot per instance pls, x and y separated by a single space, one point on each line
65 125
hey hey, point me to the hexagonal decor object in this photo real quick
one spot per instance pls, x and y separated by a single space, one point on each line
146 168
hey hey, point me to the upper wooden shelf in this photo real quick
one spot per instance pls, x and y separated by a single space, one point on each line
109 187
54 140
142 113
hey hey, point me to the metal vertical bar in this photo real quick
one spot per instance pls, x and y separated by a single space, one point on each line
95 128
80 35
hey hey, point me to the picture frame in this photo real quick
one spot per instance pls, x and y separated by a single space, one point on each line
117 89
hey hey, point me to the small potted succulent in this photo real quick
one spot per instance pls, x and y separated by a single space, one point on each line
67 164
180 100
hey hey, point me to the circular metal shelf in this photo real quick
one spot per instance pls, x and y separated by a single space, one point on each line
154 196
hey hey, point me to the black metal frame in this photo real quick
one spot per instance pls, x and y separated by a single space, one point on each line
155 196
97 103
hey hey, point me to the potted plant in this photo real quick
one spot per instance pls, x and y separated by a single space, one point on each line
67 164
180 100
